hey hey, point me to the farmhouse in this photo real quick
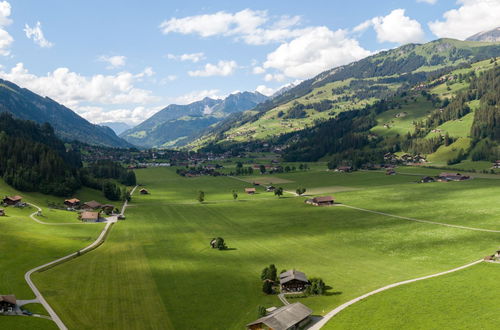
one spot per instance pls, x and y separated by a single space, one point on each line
12 200
73 202
250 191
293 316
390 171
427 179
496 164
452 177
293 281
321 201
89 216
2 212
7 303
344 169
92 205
107 207
144 191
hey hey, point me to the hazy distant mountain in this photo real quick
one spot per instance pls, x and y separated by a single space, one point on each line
24 104
177 125
117 127
486 36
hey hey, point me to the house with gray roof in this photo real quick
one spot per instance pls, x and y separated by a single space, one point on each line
293 281
289 317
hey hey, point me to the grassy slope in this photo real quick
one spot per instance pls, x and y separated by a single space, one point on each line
159 255
461 300
30 244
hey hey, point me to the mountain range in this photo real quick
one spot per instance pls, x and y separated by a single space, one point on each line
177 125
24 104
486 36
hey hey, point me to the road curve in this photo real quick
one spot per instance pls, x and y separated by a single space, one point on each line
340 308
96 243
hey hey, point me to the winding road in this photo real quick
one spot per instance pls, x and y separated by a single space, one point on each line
97 242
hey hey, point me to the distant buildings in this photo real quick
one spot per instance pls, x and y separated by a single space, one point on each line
250 191
12 200
73 202
321 201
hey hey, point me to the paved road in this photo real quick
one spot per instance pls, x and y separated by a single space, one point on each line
99 240
337 310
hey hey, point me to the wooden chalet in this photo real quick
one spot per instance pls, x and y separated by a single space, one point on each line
7 303
73 202
496 164
270 188
452 177
321 201
92 205
2 212
390 171
288 317
250 191
88 216
144 191
12 200
293 281
107 207
344 169
427 179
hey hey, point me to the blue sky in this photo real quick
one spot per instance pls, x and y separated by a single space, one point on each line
124 60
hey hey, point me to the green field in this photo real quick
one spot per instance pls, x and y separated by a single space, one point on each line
26 244
460 300
159 257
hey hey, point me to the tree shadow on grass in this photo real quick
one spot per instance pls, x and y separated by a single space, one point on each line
229 249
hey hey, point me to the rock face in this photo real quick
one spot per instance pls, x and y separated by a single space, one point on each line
486 36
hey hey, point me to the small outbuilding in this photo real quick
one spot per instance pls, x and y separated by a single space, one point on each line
293 281
2 212
73 202
321 201
92 205
345 169
7 303
12 200
390 171
270 188
427 179
452 177
89 216
250 191
293 316
144 191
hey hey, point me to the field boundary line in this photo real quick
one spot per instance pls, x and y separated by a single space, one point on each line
96 243
340 308
421 220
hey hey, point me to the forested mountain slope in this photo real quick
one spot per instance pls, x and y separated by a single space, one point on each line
27 105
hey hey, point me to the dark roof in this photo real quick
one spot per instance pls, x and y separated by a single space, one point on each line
11 299
93 204
285 317
323 199
292 275
450 174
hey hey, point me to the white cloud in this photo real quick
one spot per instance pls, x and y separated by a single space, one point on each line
222 68
277 77
395 27
113 61
133 116
254 27
35 33
315 51
196 96
431 2
6 39
258 70
193 57
263 89
73 89
473 16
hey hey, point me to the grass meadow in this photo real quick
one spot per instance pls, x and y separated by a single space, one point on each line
156 270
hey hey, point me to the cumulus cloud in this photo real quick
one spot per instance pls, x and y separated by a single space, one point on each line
73 89
6 39
258 70
133 116
431 2
113 61
222 68
254 27
193 57
395 27
263 89
314 51
473 16
197 96
35 33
